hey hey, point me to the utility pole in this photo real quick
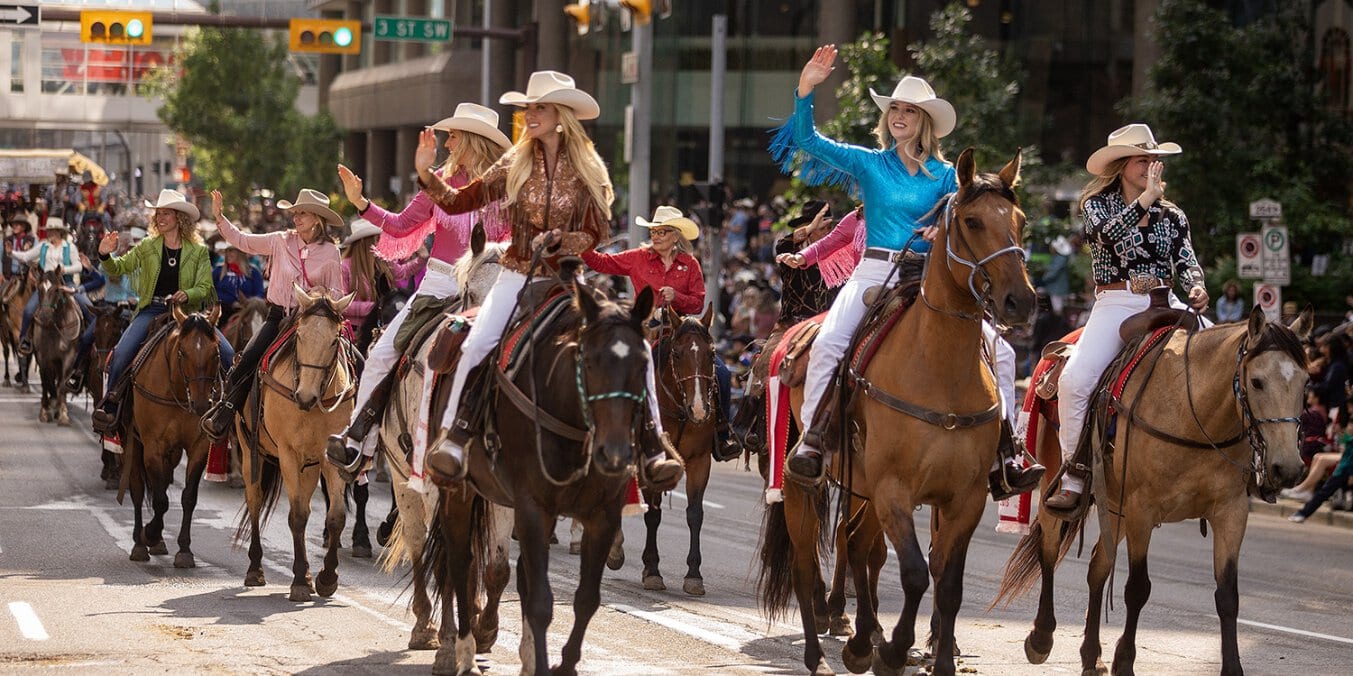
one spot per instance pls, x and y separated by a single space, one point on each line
718 60
641 98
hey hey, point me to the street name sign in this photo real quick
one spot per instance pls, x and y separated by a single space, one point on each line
1266 210
20 16
411 29
1249 256
1277 255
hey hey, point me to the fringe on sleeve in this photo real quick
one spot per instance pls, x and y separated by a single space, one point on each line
795 161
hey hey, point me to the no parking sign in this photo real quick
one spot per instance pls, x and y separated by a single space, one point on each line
1249 255
1269 297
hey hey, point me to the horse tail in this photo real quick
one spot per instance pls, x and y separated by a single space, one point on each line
775 582
270 486
438 557
396 549
1026 562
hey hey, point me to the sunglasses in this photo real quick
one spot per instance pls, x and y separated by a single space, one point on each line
662 231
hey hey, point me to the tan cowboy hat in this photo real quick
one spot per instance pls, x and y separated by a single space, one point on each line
55 223
475 119
551 86
671 217
361 229
314 202
173 199
1134 139
918 93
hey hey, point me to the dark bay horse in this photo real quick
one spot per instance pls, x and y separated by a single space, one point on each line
924 432
170 393
304 394
1204 409
55 333
15 295
108 327
588 377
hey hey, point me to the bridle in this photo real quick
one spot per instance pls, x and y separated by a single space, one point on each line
178 372
983 297
324 310
667 350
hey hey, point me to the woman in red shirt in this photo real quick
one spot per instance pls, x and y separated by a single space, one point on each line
666 265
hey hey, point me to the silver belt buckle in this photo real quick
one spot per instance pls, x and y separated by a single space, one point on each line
1142 284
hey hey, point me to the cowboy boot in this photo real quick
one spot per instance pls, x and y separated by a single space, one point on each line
1010 479
1068 497
76 380
104 417
25 346
216 423
660 468
805 464
446 461
726 446
344 450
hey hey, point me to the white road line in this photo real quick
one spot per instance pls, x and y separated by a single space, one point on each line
722 634
29 624
1298 632
682 497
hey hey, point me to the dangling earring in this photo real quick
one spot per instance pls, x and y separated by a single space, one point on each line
558 128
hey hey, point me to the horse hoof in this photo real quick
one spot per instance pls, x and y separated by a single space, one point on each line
616 559
184 560
63 421
254 578
882 668
299 592
876 637
841 626
110 484
236 482
327 583
654 583
1033 653
159 548
44 416
823 669
484 640
361 551
424 639
139 553
575 548
857 664
693 586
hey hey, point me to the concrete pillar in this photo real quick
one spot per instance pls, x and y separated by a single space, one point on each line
406 142
380 161
413 50
382 52
1145 48
553 36
354 151
503 75
836 25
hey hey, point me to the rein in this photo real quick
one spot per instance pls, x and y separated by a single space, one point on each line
172 399
667 348
983 298
340 346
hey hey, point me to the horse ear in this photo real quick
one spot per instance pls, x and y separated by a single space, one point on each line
1010 173
1303 323
587 303
966 167
673 317
341 304
707 319
179 316
303 299
477 239
1258 321
643 307
214 314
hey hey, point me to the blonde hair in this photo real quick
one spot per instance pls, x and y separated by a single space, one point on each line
927 141
1111 179
580 151
187 227
364 267
682 244
475 153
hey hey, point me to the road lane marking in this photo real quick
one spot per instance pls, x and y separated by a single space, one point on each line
682 497
726 635
29 624
1298 632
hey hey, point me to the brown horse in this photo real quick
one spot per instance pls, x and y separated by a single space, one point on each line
688 395
15 295
925 434
170 393
304 394
108 327
55 333
242 325
1199 413
572 452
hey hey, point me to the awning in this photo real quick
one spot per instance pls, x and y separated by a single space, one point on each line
42 166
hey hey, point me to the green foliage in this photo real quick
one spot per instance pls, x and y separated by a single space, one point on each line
230 93
1245 104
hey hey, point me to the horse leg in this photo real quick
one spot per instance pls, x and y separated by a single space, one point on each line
533 583
834 619
497 572
1135 594
136 483
1228 529
864 539
192 480
895 514
651 576
1038 644
253 500
334 517
361 539
597 531
300 486
697 480
949 557
1101 564
411 540
454 578
803 526
160 463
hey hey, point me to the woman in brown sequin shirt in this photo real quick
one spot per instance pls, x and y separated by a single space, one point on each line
556 192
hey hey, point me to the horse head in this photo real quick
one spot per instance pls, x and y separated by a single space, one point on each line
687 369
611 368
108 326
52 299
194 356
981 229
1271 383
319 325
477 270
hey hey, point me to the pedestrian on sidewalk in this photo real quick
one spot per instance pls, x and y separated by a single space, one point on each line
1342 474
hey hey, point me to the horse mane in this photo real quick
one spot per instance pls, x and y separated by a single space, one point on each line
1279 338
197 322
982 184
460 270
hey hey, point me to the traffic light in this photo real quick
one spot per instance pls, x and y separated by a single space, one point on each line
326 36
115 28
581 13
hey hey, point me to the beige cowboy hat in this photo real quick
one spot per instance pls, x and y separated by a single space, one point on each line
1134 139
551 86
315 202
173 199
671 217
361 229
55 223
918 93
475 119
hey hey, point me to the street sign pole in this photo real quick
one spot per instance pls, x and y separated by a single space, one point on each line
714 231
641 98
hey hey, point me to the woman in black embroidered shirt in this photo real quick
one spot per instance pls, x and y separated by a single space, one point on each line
1138 241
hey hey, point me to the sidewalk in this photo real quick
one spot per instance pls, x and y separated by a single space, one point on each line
1285 508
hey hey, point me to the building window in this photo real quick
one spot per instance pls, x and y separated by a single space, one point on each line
1335 68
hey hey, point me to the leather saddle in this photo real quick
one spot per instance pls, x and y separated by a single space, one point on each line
1157 315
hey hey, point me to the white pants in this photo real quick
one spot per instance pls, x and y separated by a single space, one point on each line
484 335
1098 345
846 314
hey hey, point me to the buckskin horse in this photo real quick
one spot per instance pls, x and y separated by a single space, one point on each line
1192 433
56 331
170 392
925 428
302 395
569 449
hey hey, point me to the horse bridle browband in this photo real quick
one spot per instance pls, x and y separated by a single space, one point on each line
667 348
982 297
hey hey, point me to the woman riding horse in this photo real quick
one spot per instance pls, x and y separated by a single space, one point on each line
474 144
900 183
302 256
665 264
173 266
57 252
1138 241
369 277
558 196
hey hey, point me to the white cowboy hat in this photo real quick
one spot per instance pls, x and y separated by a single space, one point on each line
918 92
221 246
361 229
1134 139
671 217
745 203
476 119
173 199
315 202
550 86
55 223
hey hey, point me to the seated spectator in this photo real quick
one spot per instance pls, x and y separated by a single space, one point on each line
1314 420
1343 472
1230 307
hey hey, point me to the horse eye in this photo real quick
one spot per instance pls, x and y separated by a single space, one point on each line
972 223
1257 384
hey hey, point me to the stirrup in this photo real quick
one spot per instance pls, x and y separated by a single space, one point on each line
805 453
208 424
448 475
338 451
999 482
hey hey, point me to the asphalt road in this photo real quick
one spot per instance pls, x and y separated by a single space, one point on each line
75 603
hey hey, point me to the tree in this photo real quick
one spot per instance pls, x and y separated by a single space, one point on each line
230 93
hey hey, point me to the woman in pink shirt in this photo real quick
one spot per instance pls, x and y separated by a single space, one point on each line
474 143
304 255
369 277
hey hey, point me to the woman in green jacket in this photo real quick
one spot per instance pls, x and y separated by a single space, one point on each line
175 267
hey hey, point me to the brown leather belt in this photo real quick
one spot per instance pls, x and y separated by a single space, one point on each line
1139 286
889 255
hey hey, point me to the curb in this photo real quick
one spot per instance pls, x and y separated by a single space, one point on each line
1285 508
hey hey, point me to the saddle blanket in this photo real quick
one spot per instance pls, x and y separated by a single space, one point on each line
778 414
1017 513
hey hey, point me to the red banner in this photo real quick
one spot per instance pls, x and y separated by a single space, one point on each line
110 65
